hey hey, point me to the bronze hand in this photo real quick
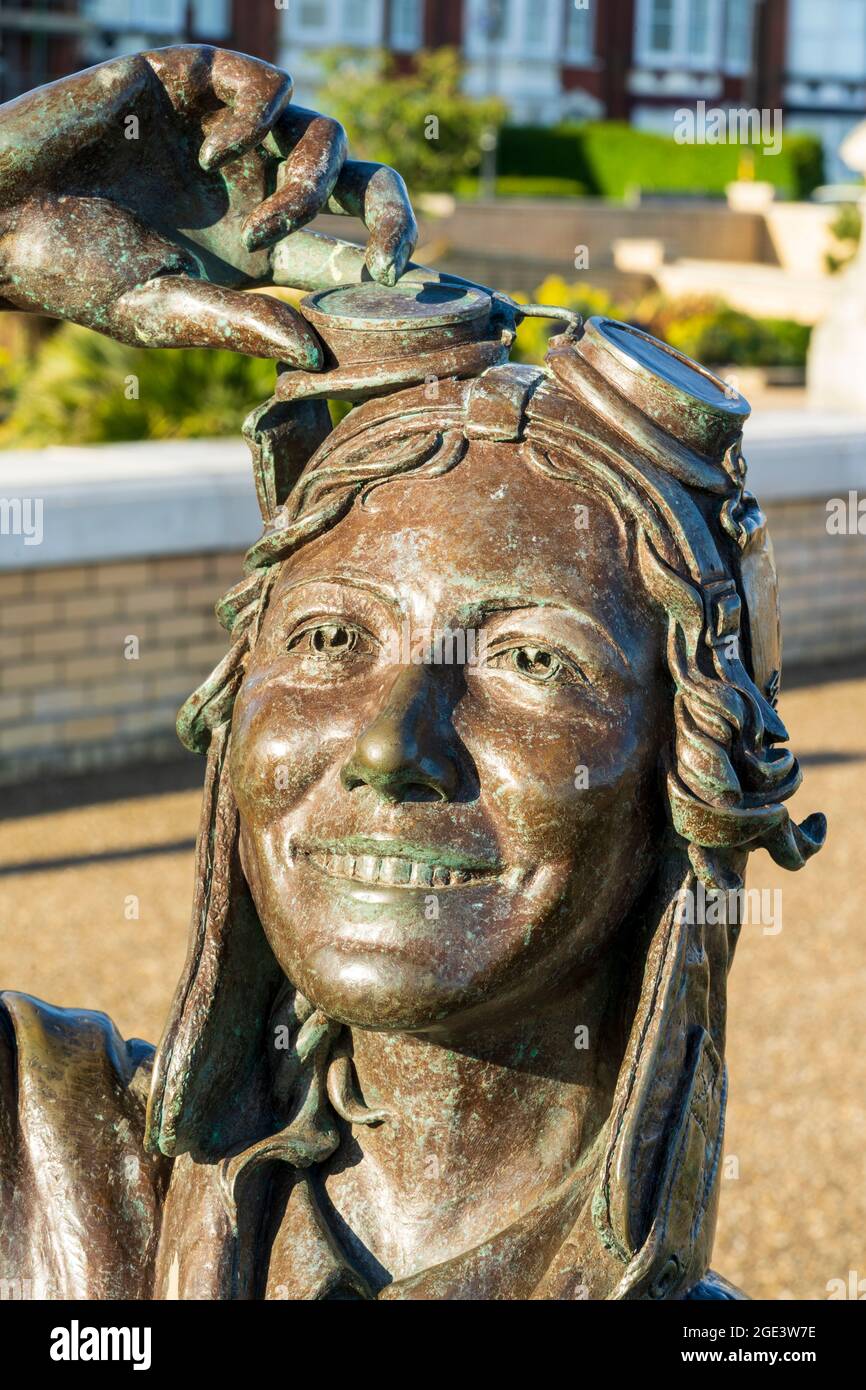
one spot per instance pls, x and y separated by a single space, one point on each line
139 196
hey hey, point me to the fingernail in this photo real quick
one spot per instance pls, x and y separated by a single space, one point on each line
251 238
385 272
305 354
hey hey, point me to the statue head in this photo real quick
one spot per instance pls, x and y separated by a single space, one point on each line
445 749
501 692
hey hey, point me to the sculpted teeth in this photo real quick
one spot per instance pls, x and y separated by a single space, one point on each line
411 873
366 868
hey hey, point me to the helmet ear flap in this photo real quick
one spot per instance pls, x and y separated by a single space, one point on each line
654 1206
214 1040
759 586
282 437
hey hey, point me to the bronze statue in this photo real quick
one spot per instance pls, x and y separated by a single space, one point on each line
139 196
499 705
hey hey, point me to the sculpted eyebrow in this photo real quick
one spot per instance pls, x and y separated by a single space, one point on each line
351 582
487 608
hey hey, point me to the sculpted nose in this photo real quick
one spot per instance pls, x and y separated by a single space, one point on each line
405 754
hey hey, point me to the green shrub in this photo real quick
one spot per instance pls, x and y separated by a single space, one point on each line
12 371
847 228
387 112
81 390
806 153
545 152
702 327
81 387
533 334
609 158
729 338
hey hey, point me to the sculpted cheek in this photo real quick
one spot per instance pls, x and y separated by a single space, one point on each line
553 787
275 753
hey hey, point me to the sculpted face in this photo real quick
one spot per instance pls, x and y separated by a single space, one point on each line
431 845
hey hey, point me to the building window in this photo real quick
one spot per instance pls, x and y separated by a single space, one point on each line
685 33
820 50
147 16
160 16
661 36
312 14
310 24
99 11
537 33
497 19
526 28
738 35
579 26
488 22
699 26
358 21
211 19
407 25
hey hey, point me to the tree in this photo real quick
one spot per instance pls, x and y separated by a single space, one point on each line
419 121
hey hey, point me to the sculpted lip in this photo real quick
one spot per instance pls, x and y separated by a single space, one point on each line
397 863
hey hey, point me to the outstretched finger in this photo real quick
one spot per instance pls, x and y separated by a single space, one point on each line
378 195
305 179
179 311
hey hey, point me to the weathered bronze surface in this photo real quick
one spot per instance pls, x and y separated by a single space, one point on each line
499 704
138 197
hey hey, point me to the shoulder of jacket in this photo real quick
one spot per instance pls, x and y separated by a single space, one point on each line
52 1039
80 1199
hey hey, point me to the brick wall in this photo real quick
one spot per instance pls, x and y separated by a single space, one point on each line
822 581
69 696
70 699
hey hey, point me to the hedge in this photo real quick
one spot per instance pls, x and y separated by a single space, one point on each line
610 158
511 187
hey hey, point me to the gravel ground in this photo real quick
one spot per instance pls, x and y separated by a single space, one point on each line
793 1209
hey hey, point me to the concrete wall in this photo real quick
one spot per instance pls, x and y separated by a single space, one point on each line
134 540
551 230
768 261
540 238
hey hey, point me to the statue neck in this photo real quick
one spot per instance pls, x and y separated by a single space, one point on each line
482 1125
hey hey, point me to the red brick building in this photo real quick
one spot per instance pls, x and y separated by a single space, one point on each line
636 60
41 40
552 60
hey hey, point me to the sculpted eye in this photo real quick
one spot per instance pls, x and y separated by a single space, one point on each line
536 664
333 640
330 641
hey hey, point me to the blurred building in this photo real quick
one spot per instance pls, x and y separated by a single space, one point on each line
807 59
41 40
551 60
635 60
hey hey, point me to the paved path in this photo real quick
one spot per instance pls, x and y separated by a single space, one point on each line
793 1210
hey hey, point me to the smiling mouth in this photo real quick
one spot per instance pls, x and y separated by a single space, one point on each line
395 863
